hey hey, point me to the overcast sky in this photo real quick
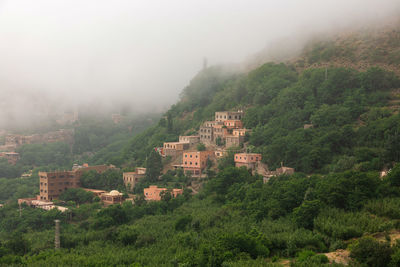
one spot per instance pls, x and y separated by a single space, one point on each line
146 51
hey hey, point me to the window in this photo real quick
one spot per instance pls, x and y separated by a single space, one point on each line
230 117
190 155
195 163
41 183
190 163
196 156
185 162
185 155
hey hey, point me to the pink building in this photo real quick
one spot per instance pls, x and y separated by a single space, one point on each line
196 161
247 159
154 192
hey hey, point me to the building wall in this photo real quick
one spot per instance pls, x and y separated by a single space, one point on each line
228 115
193 139
52 184
132 178
233 124
153 192
196 161
247 157
174 148
12 157
240 132
231 141
206 134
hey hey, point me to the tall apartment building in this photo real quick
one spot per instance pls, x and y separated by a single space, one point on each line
52 184
196 161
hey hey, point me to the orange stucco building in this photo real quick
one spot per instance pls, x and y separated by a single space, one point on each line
196 161
154 192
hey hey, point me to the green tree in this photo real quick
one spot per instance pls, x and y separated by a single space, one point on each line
201 147
153 166
371 252
304 214
78 195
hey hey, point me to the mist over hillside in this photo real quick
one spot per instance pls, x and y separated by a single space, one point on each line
59 55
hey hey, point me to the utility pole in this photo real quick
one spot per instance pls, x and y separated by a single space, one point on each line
57 235
326 73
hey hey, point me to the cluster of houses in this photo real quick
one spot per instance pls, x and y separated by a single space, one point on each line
226 131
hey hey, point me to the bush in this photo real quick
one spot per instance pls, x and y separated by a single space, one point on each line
182 222
371 252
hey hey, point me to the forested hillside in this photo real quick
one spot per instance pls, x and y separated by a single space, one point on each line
354 126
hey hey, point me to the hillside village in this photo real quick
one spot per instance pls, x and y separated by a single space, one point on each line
193 154
14 141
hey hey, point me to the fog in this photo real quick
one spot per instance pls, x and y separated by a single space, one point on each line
58 54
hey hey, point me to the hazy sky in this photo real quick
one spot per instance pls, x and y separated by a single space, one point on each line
146 51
